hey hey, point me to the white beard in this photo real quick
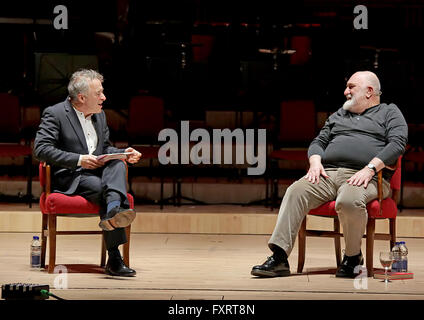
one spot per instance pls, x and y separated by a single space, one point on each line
350 102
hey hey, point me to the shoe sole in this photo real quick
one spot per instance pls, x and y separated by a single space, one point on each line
109 273
350 276
347 276
122 220
270 274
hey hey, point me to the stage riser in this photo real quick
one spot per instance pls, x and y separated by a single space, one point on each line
211 193
201 222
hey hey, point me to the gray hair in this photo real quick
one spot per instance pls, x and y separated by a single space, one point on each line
79 82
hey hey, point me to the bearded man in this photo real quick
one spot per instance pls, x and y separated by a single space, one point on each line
360 139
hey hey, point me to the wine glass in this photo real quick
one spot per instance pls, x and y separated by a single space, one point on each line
386 259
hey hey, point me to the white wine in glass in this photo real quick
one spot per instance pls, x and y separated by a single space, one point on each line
386 260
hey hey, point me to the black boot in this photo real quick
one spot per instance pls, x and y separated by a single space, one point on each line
347 267
115 265
275 266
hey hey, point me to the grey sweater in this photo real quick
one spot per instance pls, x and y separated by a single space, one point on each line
350 140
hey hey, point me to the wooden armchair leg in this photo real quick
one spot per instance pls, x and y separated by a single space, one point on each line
126 246
392 228
52 242
370 247
44 239
337 245
301 246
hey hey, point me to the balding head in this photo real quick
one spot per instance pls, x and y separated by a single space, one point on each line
362 91
370 80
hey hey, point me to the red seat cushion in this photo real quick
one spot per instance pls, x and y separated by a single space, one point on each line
58 203
389 209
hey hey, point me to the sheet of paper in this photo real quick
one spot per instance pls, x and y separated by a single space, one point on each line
112 156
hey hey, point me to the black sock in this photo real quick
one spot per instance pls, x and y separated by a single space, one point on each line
279 253
114 253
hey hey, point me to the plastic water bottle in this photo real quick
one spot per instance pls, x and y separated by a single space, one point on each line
404 257
35 257
397 257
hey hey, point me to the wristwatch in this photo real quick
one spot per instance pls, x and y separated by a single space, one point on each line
372 167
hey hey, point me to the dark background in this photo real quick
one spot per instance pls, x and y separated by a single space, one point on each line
147 57
208 55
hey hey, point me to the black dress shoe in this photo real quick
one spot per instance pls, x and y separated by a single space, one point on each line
347 267
272 267
117 267
117 218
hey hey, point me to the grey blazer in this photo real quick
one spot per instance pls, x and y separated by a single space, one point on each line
60 141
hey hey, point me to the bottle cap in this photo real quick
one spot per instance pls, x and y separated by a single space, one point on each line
35 238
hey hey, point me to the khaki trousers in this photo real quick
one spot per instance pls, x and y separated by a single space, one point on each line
351 206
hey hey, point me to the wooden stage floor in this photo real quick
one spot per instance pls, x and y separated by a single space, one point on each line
202 267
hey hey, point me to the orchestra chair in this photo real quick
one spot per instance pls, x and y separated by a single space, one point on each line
53 205
202 45
295 135
146 118
11 142
377 209
414 155
302 45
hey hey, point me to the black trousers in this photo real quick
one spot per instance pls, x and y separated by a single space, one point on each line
102 186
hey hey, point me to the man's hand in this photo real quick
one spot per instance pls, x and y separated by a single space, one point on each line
134 157
88 161
363 176
315 169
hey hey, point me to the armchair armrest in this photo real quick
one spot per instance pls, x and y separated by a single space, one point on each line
380 184
380 191
46 172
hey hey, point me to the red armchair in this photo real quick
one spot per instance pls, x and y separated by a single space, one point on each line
377 209
53 205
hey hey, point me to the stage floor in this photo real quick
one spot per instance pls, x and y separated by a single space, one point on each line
203 267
